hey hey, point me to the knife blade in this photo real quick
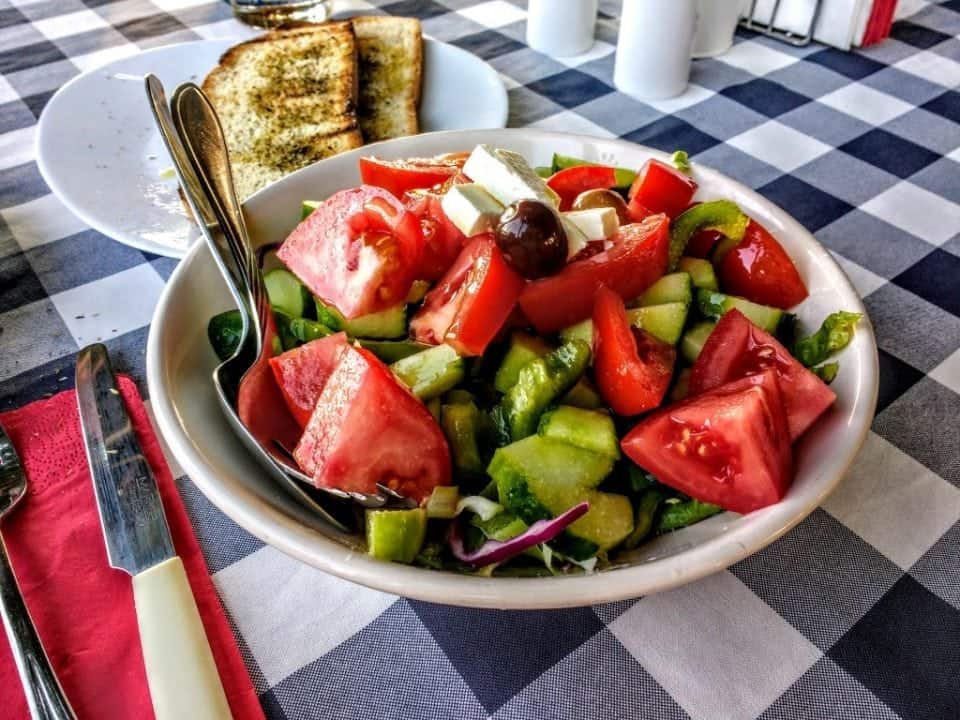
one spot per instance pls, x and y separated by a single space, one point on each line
134 526
180 669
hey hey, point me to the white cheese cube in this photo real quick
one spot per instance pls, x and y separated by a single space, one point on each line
596 223
507 176
471 208
576 239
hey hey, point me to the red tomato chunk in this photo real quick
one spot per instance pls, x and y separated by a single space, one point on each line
442 240
759 269
632 368
399 176
302 372
737 348
637 259
367 428
470 304
661 188
729 446
570 182
359 251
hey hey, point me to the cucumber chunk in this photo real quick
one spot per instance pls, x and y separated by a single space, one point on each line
664 322
675 287
502 526
306 330
287 294
583 330
588 429
540 477
307 207
460 423
647 507
442 503
224 332
583 395
523 349
700 271
396 535
693 339
392 350
432 372
714 304
389 323
540 382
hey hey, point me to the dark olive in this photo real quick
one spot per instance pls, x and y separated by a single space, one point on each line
590 199
532 239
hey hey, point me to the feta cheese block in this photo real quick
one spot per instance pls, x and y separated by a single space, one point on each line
507 176
471 208
596 223
576 239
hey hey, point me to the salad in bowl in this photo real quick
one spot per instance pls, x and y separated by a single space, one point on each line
552 364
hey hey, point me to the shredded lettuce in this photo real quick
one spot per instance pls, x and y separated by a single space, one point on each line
834 335
479 505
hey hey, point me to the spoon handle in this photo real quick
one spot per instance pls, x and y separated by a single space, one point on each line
45 697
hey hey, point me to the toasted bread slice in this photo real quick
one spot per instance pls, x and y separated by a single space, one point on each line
286 99
390 57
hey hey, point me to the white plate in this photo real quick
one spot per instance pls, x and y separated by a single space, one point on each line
99 151
179 363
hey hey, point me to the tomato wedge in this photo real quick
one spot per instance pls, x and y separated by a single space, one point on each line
400 176
637 259
637 212
662 189
631 367
359 251
442 240
302 372
367 428
738 348
729 446
470 304
759 269
571 181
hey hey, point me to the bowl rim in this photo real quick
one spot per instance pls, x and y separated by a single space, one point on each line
275 527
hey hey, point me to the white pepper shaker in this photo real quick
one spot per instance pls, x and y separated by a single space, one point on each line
653 47
561 28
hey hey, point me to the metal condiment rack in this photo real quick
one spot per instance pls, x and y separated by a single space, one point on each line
750 23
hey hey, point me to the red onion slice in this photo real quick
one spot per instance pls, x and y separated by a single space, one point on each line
496 551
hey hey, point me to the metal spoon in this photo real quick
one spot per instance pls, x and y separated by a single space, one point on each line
45 697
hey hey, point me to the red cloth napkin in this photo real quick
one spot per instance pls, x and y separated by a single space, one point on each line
83 608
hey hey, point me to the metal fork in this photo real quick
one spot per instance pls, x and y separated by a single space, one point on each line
45 697
193 135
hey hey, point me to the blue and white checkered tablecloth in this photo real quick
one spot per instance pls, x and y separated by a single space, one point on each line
854 614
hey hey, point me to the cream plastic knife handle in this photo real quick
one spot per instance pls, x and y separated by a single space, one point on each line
183 679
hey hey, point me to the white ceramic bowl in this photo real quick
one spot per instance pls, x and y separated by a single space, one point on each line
179 363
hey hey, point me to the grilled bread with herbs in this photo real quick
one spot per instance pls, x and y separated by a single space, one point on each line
285 100
390 58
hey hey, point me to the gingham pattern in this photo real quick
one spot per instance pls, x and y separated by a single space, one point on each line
854 614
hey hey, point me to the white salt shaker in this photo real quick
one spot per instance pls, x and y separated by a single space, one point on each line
653 47
561 28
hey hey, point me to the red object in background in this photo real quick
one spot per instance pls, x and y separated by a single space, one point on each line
470 304
571 181
400 176
737 348
729 447
83 608
632 368
662 189
359 251
367 428
637 259
759 269
880 22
